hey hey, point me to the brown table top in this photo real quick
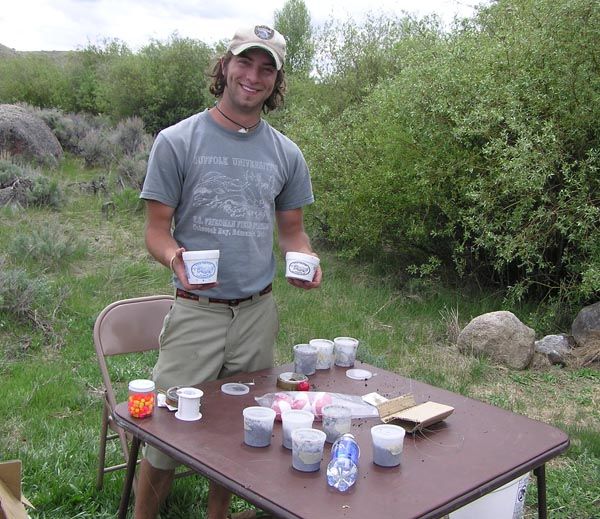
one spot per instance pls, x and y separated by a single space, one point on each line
475 450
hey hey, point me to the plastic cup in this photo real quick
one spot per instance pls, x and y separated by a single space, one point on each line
344 349
388 442
258 426
201 266
188 403
305 359
324 352
301 266
307 449
292 420
337 420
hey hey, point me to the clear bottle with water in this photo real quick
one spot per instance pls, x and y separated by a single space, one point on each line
343 467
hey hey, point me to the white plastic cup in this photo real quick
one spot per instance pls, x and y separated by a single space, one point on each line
258 425
305 359
188 403
294 419
388 443
201 266
307 449
337 420
344 350
324 352
301 266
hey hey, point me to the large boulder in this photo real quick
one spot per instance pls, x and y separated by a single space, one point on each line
23 133
557 348
501 336
586 326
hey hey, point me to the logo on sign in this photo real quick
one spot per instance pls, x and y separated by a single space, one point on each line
299 268
203 269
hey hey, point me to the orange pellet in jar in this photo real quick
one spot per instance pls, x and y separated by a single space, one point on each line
141 398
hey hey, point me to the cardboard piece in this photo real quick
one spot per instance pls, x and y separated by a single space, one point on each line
404 411
12 501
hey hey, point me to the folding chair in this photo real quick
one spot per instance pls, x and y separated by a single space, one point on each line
127 326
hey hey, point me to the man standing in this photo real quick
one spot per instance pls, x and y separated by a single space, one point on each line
220 180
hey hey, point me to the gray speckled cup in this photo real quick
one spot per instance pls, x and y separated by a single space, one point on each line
337 420
307 449
305 359
388 443
258 426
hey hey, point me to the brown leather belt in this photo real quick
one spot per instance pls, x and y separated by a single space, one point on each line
231 302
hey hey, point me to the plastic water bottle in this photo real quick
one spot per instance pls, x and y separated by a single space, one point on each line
343 467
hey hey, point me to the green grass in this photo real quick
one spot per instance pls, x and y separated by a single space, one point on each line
50 413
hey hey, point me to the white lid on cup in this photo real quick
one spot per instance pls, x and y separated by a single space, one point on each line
200 254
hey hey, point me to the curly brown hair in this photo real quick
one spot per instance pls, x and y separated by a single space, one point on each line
217 84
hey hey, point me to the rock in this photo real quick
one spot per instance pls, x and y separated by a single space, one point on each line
24 133
501 336
556 348
586 326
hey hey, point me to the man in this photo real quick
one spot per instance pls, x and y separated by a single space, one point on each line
220 180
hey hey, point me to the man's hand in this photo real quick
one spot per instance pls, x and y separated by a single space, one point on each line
178 267
307 285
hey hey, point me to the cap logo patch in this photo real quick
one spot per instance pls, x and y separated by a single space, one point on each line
264 32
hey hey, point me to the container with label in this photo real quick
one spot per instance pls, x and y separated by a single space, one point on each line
141 398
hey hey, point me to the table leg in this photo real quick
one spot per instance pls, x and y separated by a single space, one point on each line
131 464
540 473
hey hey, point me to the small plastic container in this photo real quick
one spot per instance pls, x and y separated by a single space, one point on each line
201 266
142 398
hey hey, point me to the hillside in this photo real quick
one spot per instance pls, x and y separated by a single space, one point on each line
7 52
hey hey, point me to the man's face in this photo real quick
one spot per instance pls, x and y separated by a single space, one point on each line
250 80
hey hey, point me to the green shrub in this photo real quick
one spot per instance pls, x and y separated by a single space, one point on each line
131 171
20 294
97 148
130 137
52 247
23 185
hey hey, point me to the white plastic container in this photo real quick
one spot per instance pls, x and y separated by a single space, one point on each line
506 502
300 266
325 352
201 266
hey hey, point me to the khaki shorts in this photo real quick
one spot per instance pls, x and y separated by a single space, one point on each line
203 341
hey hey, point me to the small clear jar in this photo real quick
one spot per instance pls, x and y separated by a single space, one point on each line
141 399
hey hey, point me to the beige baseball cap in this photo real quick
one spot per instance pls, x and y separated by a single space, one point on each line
262 37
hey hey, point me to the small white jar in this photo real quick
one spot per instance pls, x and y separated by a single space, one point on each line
301 266
201 266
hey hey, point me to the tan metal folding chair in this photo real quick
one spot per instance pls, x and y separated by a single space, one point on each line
127 326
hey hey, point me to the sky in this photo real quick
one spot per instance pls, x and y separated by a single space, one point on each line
27 25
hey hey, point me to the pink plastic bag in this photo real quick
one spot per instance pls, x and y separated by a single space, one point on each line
314 401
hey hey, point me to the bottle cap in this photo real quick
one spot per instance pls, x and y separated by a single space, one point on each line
141 385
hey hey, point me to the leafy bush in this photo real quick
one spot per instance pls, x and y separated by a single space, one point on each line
25 186
52 247
129 136
132 171
69 129
97 148
481 152
20 295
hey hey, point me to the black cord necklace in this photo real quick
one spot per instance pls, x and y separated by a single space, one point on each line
243 129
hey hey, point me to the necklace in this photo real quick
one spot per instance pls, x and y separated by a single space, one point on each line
243 129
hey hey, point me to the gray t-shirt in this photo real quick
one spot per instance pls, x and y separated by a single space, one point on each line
225 187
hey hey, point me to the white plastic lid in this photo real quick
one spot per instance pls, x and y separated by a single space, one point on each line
200 254
235 389
141 385
359 374
301 256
